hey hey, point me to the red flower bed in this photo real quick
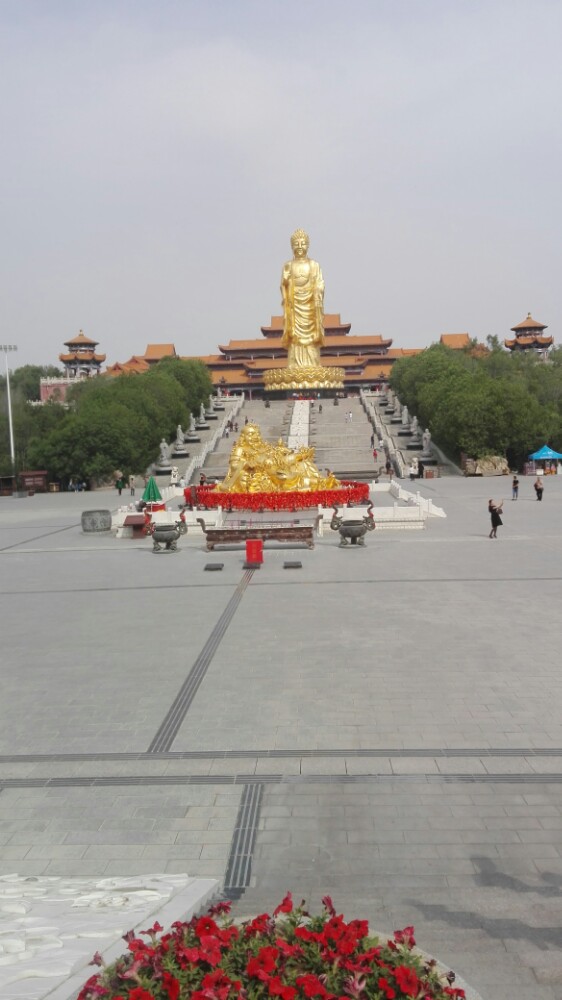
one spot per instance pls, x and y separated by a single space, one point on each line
289 955
349 492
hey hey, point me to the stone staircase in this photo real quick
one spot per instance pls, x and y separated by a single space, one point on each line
273 422
341 445
344 446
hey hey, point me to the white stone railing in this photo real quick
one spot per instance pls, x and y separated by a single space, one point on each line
383 435
198 460
299 428
416 499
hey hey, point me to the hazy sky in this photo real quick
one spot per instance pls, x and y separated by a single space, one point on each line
157 155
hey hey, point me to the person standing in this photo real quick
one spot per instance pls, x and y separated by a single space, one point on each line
539 487
132 484
515 488
373 440
495 510
412 471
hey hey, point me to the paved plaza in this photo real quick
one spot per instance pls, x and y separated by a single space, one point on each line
383 724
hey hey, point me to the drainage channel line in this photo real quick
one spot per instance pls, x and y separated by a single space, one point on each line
37 538
239 867
70 758
281 779
169 728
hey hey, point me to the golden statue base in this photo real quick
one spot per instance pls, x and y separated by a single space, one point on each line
304 377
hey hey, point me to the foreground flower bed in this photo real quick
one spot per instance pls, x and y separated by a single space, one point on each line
289 955
349 492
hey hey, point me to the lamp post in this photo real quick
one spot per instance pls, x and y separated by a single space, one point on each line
6 348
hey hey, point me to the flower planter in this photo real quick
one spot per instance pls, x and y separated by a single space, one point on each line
287 956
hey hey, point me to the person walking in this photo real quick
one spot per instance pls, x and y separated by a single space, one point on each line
350 416
412 471
373 440
515 488
539 487
495 510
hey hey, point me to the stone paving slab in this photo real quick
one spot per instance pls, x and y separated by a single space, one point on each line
418 642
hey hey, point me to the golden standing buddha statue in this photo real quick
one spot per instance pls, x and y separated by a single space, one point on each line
302 293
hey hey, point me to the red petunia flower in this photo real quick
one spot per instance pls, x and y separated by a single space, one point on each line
389 992
259 925
171 985
407 980
405 936
217 909
209 950
278 989
289 950
139 993
205 925
263 964
217 986
311 986
152 931
286 906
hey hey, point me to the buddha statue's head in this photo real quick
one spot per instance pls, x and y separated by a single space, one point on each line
250 434
300 243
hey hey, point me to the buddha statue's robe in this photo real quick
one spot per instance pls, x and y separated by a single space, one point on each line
302 291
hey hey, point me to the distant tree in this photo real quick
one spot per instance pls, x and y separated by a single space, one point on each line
25 381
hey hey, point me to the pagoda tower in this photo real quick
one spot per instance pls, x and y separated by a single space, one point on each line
80 361
529 336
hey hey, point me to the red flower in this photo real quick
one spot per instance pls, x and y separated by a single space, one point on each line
153 930
286 906
407 980
171 985
210 950
305 935
278 989
141 994
290 950
335 928
263 964
187 955
405 936
328 905
311 986
388 991
219 908
206 926
259 925
217 986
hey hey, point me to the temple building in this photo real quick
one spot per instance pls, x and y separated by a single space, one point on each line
80 361
529 336
241 364
366 360
142 362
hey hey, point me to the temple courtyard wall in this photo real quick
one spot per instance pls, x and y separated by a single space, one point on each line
383 724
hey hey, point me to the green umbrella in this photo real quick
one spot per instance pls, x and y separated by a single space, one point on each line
151 492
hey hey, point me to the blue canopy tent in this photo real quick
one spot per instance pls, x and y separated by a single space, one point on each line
545 454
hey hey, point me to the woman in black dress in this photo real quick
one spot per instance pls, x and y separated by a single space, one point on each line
495 510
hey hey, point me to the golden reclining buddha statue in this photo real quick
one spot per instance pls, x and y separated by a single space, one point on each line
302 294
255 466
